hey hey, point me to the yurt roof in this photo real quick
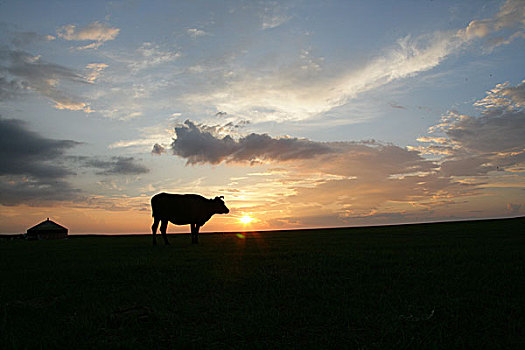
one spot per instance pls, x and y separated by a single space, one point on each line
47 225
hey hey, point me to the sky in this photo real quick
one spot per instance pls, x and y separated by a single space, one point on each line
301 114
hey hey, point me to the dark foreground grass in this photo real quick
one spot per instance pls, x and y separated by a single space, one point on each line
433 286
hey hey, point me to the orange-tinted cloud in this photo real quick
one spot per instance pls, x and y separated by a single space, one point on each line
96 32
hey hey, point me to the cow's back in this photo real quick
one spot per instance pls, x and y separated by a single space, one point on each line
180 209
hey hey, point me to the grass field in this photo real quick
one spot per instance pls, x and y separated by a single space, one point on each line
431 286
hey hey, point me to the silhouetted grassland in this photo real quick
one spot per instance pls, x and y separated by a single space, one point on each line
441 286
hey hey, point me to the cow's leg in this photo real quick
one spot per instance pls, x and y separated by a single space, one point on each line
154 230
195 233
163 228
192 228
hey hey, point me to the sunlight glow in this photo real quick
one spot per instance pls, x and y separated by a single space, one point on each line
246 219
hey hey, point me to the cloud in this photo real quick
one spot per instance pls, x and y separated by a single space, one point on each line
337 183
31 73
476 145
133 143
138 82
501 132
301 90
35 169
511 14
363 196
10 89
198 144
499 41
293 93
97 32
503 96
466 166
24 152
18 39
273 15
158 149
161 134
117 166
95 69
22 39
150 55
36 192
195 33
31 166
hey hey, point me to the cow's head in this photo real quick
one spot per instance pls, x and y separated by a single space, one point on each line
219 206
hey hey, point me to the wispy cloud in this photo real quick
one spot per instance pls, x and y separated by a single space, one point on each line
31 73
135 82
288 93
161 133
150 55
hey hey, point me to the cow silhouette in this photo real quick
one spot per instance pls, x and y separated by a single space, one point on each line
183 209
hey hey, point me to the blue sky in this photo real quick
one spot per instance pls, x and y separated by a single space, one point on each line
301 113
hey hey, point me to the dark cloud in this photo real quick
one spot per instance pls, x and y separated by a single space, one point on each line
22 190
476 145
199 144
117 166
501 130
471 166
24 152
501 126
31 166
202 144
35 169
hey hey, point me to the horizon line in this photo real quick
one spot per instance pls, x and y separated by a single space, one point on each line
287 230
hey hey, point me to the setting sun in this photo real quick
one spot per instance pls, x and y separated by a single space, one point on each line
246 219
